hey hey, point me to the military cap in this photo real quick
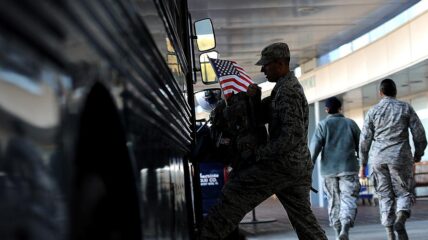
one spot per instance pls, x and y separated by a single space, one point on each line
273 52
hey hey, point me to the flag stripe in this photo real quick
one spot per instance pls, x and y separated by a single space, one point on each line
236 81
243 73
246 80
232 77
246 76
237 86
239 67
232 88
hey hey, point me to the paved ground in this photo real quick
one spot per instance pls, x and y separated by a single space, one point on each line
367 224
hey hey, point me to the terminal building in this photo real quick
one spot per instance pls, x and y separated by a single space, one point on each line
379 40
383 40
395 49
105 129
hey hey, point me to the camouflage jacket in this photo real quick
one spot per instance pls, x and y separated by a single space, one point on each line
385 133
239 122
287 148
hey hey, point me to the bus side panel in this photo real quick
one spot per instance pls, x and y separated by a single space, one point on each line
109 42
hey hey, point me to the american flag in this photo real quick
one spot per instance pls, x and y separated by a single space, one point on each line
232 77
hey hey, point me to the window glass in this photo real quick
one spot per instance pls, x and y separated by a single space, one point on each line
334 55
360 42
420 105
345 49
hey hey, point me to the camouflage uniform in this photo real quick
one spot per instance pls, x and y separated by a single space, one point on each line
342 192
239 121
283 167
385 134
337 137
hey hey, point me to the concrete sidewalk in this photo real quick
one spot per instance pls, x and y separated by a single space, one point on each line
367 224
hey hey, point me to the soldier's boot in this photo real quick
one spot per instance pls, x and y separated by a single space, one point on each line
337 231
390 232
400 225
344 232
337 226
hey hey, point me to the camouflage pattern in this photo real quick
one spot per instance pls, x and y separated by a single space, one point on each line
272 52
283 167
385 130
342 193
393 184
238 121
337 138
288 129
385 134
251 187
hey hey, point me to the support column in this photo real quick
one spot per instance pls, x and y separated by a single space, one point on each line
317 199
318 165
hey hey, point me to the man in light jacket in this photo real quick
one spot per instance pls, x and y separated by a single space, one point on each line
337 138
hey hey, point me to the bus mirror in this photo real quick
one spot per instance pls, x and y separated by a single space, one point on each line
205 35
207 72
205 101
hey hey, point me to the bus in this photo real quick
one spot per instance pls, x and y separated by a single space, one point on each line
97 120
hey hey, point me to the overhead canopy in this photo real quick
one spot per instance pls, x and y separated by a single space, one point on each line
311 28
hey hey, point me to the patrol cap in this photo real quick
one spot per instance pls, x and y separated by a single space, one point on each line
272 52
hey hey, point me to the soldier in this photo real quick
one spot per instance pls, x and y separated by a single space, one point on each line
283 166
385 130
338 137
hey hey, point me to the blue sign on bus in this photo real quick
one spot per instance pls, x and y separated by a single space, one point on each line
212 180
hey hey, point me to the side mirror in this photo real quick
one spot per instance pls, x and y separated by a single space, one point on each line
205 35
208 75
205 101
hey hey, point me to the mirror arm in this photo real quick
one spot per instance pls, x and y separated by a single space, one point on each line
194 68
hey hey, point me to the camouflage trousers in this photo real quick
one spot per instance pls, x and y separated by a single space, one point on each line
342 193
251 187
393 185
